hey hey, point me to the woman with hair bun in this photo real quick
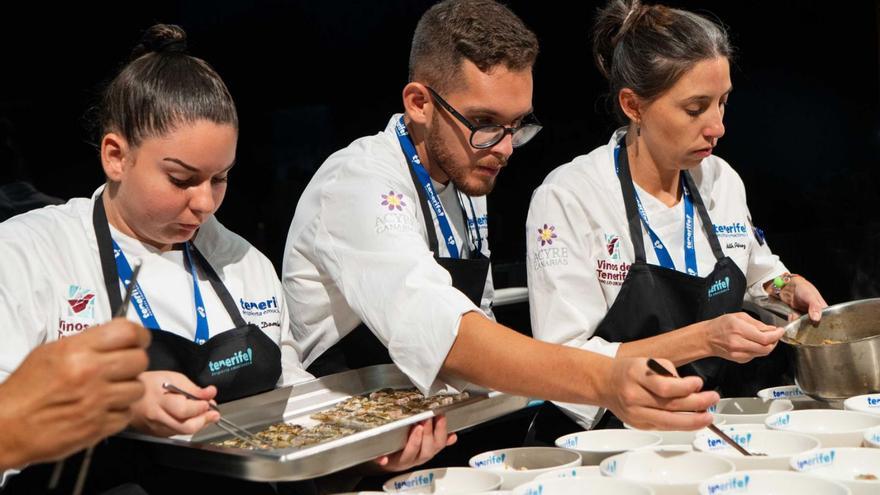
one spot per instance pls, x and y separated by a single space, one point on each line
645 246
167 129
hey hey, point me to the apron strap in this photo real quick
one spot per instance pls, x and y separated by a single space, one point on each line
708 227
219 288
429 219
629 194
105 252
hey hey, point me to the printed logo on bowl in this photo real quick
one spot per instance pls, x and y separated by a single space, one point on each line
491 460
819 459
716 443
538 490
570 442
783 420
611 467
737 483
416 482
791 392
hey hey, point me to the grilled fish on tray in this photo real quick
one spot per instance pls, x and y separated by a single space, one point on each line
349 416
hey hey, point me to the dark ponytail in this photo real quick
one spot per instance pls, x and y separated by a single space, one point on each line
161 88
647 48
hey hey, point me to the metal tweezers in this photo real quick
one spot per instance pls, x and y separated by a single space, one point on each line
228 426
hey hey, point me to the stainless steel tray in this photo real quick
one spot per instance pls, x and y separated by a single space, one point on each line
294 405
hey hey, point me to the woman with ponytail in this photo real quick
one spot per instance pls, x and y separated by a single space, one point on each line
655 244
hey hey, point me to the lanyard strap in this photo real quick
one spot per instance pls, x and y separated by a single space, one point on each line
690 255
145 312
424 179
202 332
123 270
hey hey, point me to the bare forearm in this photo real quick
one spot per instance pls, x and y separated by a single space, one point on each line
680 346
496 357
11 450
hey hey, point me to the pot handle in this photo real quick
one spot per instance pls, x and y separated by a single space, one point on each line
769 310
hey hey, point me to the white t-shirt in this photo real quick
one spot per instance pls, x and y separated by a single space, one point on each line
357 251
52 286
576 273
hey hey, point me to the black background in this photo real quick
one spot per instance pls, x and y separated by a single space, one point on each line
803 127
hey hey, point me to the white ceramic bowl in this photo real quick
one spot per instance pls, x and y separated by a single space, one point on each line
843 465
672 447
452 480
596 445
790 392
869 404
674 437
581 486
748 409
831 427
734 428
770 483
666 472
779 446
575 472
521 465
872 438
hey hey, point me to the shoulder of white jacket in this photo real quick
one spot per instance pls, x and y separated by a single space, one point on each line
48 220
367 157
713 171
581 169
223 246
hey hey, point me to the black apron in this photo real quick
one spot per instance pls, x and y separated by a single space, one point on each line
240 362
655 300
360 347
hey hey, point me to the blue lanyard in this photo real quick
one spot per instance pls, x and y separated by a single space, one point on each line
412 158
139 299
690 254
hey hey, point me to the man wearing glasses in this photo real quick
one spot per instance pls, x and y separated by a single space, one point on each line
387 258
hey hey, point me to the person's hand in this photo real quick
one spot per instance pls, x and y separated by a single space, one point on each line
739 337
803 297
646 400
163 413
425 440
68 394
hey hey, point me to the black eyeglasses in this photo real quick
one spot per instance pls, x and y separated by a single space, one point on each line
486 136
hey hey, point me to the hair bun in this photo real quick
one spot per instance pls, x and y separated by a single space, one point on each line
161 38
612 22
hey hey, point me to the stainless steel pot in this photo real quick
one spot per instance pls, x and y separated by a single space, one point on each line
840 356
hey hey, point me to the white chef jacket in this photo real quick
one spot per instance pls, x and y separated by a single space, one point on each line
357 251
52 286
576 276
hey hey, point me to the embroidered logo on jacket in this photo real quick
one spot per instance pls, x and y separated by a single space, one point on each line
81 302
733 229
80 311
612 245
259 308
393 201
547 234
